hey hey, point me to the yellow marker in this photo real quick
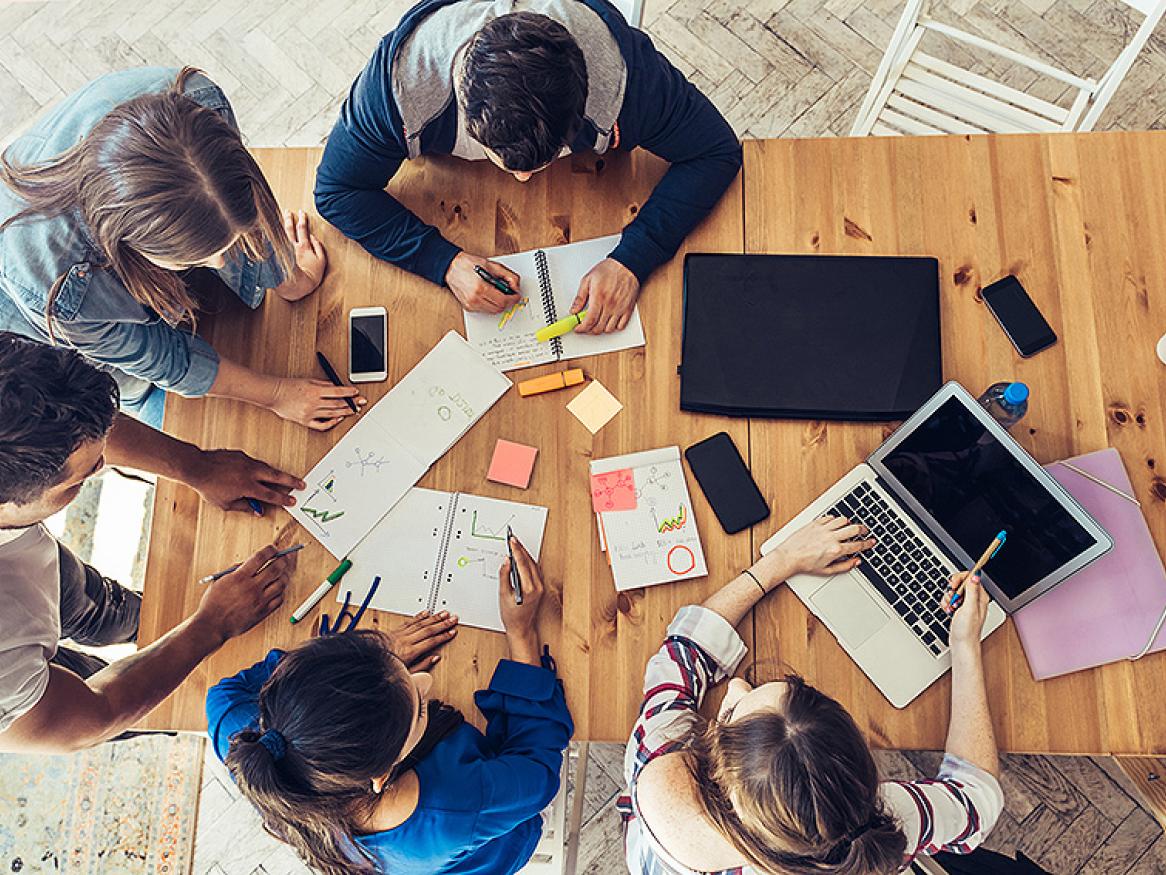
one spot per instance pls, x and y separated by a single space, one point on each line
558 329
550 382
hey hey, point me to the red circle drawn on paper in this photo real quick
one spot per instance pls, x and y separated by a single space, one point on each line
691 560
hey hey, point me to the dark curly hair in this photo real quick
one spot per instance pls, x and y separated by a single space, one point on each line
523 88
51 402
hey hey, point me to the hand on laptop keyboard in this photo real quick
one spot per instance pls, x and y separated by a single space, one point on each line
825 546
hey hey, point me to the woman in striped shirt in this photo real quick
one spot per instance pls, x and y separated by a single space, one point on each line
783 781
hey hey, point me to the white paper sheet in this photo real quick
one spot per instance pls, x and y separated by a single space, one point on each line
427 561
507 341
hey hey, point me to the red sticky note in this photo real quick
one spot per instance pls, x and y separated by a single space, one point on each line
512 464
614 490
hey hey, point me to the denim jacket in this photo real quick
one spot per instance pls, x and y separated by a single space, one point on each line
94 312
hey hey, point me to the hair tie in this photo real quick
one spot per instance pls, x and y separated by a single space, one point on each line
859 830
275 743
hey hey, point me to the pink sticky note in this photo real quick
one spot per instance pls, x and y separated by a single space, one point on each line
512 464
614 490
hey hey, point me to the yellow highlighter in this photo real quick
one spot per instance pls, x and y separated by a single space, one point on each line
558 329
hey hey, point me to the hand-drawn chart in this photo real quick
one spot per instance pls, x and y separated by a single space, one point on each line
365 461
510 312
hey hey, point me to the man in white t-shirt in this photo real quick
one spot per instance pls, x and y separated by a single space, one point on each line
59 425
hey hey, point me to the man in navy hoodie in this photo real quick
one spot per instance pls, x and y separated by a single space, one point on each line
520 83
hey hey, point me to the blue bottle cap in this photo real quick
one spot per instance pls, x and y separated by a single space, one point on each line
1016 393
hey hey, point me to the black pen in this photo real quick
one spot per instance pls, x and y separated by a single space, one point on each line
497 282
334 377
515 580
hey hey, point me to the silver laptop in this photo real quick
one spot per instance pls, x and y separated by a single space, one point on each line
935 494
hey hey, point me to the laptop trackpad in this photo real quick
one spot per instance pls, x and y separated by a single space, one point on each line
852 615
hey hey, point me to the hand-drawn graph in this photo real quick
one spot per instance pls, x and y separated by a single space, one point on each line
328 484
672 524
509 314
681 560
364 461
322 516
486 534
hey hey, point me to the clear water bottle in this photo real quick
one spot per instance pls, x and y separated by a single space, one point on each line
1007 402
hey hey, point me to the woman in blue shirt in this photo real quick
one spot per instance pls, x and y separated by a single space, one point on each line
108 205
350 762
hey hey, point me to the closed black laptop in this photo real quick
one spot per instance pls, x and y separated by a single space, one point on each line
810 336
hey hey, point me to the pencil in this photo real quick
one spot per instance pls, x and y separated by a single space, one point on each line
989 552
211 578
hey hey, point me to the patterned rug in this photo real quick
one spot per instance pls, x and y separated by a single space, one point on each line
126 808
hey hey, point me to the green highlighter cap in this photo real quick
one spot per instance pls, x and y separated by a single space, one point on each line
340 571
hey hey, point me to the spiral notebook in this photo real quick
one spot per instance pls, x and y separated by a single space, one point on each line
550 282
441 551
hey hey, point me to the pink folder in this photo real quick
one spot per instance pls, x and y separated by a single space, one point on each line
1107 611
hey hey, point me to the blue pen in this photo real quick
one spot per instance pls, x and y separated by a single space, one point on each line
991 551
255 506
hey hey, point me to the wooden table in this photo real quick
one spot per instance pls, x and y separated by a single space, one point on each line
600 639
1080 219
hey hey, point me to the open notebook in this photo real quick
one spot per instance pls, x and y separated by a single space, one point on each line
441 551
394 442
550 281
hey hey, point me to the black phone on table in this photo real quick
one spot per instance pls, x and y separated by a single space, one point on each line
1028 330
727 483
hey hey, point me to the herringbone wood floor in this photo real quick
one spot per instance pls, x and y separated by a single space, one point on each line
775 68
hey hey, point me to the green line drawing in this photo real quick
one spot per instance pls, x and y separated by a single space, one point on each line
323 516
489 536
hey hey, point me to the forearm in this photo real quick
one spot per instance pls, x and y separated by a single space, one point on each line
524 648
240 383
736 598
135 445
970 735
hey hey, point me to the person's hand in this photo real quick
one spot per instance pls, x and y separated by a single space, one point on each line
311 260
415 642
473 292
227 478
823 546
519 620
315 403
237 601
970 610
608 292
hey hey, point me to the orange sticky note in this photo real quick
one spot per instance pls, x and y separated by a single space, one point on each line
512 464
613 490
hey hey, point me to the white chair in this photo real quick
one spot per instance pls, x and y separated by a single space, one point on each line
916 93
556 851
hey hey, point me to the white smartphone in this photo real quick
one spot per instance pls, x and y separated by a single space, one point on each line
368 334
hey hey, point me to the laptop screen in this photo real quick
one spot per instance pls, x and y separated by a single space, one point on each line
962 475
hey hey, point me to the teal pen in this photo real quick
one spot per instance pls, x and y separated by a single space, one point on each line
497 282
211 578
991 551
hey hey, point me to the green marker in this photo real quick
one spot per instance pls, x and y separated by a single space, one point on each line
321 591
558 329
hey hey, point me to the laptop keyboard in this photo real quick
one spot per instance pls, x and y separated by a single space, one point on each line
907 573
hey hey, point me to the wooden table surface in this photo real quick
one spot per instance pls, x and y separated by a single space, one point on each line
600 639
1079 218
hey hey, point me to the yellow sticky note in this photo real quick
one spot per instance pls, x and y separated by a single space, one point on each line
594 406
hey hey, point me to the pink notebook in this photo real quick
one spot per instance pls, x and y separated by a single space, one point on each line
1107 611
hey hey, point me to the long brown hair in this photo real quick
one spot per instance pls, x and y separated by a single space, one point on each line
796 791
334 715
158 176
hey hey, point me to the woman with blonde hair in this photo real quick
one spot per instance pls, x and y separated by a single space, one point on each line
782 781
109 208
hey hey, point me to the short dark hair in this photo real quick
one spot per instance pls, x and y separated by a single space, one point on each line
51 402
523 89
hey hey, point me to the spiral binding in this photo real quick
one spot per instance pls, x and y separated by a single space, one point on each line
550 311
442 553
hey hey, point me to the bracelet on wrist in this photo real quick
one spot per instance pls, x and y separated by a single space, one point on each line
748 571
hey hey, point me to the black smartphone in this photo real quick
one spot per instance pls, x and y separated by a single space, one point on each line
1028 330
727 483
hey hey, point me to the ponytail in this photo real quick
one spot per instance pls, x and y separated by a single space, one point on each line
334 715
